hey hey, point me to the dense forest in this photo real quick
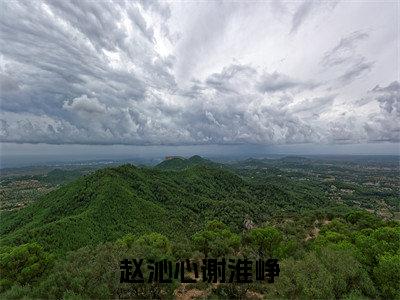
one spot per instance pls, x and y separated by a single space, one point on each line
69 242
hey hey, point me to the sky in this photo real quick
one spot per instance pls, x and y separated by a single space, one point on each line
199 73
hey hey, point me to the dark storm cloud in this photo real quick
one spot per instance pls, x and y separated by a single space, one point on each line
59 64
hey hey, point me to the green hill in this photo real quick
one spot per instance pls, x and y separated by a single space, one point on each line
112 202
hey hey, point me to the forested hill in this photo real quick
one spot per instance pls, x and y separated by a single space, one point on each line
68 244
111 202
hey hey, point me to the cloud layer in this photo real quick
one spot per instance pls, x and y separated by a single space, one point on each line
150 73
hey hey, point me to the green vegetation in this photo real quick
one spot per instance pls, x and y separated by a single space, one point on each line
22 264
216 240
19 191
69 242
113 202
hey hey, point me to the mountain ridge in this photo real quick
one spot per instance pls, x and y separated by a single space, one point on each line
86 204
112 202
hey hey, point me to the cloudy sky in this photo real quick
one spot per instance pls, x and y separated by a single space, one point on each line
199 73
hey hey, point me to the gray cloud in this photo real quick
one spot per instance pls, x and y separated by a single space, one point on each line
227 80
394 87
3 128
61 52
379 126
355 71
8 84
305 9
207 25
95 72
85 104
314 106
344 51
236 112
344 56
301 14
276 82
388 97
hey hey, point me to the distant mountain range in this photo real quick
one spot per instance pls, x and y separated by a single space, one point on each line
180 163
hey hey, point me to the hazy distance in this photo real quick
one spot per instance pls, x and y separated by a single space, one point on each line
19 155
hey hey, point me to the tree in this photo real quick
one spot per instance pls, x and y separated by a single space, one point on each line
363 219
93 272
387 275
348 275
216 239
306 278
265 240
23 264
154 246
